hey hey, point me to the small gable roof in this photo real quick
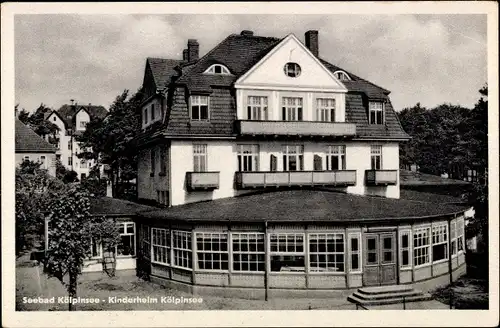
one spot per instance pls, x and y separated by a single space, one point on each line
162 70
27 141
68 113
238 53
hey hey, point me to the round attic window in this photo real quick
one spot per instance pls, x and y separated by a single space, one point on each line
292 69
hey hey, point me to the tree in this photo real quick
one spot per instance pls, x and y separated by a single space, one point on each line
37 121
109 138
70 232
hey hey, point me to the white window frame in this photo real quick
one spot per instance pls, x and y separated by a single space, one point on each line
355 235
376 107
440 237
199 101
336 153
160 244
248 158
254 238
285 238
296 151
405 232
319 236
179 252
424 249
376 151
257 108
291 107
125 233
453 238
43 161
325 109
341 76
212 70
460 235
83 124
292 69
208 254
200 158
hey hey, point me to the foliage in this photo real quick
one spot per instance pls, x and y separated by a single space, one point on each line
34 193
37 121
29 167
95 187
71 228
109 138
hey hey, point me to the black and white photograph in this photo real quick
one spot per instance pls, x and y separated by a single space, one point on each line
220 163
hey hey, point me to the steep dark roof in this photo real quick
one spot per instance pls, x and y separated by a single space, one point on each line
163 70
238 53
304 206
27 141
114 206
68 113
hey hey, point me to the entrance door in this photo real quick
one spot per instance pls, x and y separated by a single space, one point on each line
380 259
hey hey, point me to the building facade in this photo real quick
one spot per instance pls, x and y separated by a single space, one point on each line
279 171
31 147
71 121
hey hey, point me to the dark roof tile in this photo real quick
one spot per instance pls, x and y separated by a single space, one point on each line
163 70
27 141
68 113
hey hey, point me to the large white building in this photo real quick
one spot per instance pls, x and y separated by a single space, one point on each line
72 121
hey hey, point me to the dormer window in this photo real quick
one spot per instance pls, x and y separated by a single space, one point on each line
292 69
218 69
342 76
376 112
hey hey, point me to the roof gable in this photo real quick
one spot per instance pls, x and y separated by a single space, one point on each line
269 71
68 113
27 141
159 72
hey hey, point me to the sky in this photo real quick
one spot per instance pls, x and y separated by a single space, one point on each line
431 59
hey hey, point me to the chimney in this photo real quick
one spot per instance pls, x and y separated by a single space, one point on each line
185 55
246 33
72 101
90 104
193 50
312 42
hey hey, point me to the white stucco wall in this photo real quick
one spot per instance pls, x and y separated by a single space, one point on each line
157 110
81 116
50 160
222 157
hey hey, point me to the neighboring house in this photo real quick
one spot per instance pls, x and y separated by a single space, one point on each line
258 113
312 153
71 121
31 147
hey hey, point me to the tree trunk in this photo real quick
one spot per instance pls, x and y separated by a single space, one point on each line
73 282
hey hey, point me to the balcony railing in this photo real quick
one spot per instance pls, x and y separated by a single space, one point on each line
249 180
202 180
295 128
381 177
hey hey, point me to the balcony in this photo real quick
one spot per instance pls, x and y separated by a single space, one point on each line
296 128
381 177
202 180
250 180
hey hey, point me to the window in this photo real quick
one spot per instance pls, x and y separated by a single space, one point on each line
126 247
199 108
248 251
83 164
326 252
325 110
292 69
70 145
460 234
163 160
335 158
200 158
146 241
42 162
257 108
273 163
26 158
82 176
355 251
70 160
453 237
95 248
182 249
218 69
293 158
421 246
291 109
54 119
83 124
342 76
145 116
287 252
161 246
161 197
439 242
376 157
152 112
248 158
376 110
405 249
212 251
153 161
